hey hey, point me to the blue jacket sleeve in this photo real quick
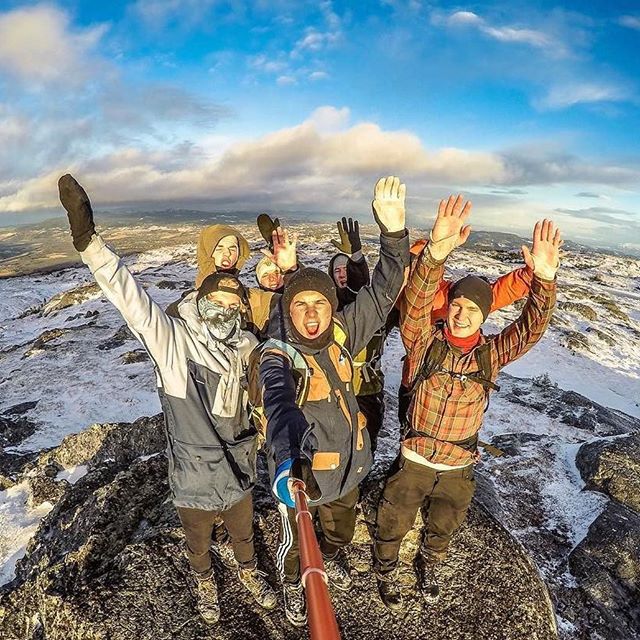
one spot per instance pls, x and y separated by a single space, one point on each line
286 423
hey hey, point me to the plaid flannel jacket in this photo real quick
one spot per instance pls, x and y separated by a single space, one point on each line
446 410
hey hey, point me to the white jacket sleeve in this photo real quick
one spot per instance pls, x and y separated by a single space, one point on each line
146 319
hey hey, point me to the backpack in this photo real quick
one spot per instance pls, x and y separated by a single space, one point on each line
301 369
436 355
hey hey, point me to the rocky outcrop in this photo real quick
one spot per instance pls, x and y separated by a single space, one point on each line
613 467
569 407
69 298
607 566
108 563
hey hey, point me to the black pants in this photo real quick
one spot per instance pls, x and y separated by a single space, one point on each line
199 524
446 495
373 408
337 521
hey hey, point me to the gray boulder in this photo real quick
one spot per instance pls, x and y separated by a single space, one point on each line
613 467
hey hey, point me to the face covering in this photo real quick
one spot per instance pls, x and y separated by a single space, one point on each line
221 322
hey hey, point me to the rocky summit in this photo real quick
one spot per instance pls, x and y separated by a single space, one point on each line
108 562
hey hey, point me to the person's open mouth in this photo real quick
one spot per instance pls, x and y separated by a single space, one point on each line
312 328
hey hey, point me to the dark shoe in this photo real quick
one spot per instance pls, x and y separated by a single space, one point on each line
258 587
295 607
389 590
338 571
428 580
207 599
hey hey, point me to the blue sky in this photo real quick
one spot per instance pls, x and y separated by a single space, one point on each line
297 106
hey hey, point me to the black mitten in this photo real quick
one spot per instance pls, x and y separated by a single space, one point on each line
76 201
266 227
301 469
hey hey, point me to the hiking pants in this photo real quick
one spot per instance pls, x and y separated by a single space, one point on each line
199 524
445 495
337 521
372 406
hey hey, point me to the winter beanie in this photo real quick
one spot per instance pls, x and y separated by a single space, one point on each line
475 289
310 279
221 281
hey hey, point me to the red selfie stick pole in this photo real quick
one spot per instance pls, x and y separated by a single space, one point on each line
322 618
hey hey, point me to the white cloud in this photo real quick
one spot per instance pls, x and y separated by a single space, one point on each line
37 45
318 75
568 95
285 80
532 37
632 22
315 41
305 167
156 14
263 63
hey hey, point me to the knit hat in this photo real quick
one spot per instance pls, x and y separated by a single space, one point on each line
221 281
473 288
264 266
310 279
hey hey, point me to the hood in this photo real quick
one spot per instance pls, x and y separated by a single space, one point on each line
332 262
207 241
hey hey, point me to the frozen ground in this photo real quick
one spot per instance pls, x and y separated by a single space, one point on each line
78 363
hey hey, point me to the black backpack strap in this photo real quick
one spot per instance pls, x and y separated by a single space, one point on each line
484 374
432 361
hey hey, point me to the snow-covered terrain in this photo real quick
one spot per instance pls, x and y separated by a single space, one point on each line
65 348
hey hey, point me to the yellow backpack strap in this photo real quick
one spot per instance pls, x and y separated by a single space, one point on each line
299 363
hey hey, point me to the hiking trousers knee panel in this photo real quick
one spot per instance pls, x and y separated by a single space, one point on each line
446 495
199 524
404 493
372 406
337 521
447 510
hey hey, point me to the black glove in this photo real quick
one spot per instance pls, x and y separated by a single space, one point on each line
76 201
349 231
267 226
301 469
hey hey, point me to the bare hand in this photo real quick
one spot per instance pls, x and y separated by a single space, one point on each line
284 250
449 230
544 257
388 204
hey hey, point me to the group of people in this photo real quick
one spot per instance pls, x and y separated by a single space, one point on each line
294 362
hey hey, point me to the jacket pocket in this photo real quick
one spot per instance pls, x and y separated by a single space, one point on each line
325 460
211 474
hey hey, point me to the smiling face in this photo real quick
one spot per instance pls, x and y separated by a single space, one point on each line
225 255
463 317
310 314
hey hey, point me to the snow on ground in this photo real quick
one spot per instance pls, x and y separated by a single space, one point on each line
18 523
73 474
79 378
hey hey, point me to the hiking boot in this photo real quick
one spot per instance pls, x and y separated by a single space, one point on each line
428 580
258 587
207 599
295 607
338 571
224 552
389 590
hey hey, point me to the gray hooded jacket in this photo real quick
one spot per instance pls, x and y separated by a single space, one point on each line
211 444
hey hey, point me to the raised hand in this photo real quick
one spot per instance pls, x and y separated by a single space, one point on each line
388 204
544 257
449 230
349 231
76 201
284 249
